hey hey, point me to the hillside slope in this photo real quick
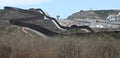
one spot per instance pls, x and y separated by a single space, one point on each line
92 14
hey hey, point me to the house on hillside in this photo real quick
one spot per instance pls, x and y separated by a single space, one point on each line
115 17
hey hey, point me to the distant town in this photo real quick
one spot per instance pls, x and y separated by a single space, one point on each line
111 21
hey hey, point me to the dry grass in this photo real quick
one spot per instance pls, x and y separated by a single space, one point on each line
21 45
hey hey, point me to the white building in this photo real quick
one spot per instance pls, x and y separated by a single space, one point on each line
115 17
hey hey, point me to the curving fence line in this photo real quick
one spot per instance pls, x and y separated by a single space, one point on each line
67 28
47 32
32 26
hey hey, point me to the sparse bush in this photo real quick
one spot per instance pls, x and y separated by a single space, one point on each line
20 45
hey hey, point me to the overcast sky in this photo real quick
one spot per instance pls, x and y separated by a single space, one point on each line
63 8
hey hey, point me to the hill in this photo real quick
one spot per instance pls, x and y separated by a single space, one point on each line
7 15
48 24
92 14
17 43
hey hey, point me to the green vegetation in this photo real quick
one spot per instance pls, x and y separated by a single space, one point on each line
104 13
2 12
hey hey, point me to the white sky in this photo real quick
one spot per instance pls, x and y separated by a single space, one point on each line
21 2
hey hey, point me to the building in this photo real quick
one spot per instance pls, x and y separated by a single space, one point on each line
115 17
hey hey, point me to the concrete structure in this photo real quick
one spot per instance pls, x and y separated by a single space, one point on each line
115 17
